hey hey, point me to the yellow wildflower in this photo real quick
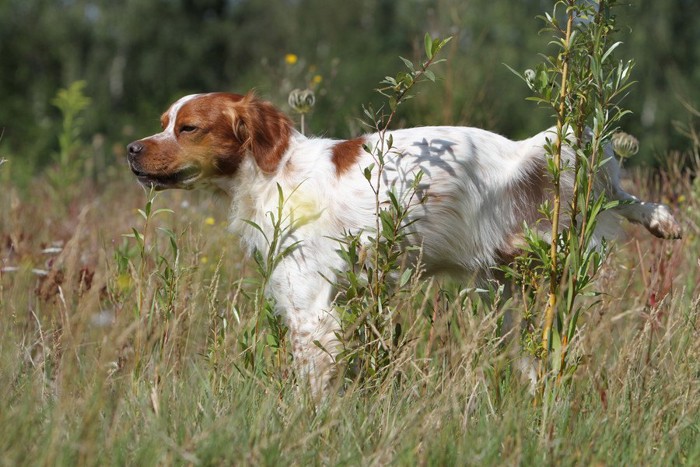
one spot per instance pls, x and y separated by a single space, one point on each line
317 79
124 282
209 221
290 59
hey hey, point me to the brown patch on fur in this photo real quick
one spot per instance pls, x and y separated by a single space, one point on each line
215 147
529 192
346 154
263 130
511 248
164 120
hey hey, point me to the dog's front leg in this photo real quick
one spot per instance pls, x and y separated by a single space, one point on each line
303 297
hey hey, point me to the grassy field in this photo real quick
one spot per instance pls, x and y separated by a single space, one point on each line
116 352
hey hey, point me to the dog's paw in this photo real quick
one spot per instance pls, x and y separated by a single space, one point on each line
663 224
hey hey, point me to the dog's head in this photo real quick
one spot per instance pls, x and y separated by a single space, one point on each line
207 136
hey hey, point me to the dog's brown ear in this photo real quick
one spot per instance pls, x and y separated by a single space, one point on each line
261 130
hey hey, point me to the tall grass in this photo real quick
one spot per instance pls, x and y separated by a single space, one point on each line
133 331
113 352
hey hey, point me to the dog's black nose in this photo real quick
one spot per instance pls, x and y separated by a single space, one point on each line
134 149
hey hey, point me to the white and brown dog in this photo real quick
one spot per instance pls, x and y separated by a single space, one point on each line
476 191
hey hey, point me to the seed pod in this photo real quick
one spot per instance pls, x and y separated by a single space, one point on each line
625 145
302 101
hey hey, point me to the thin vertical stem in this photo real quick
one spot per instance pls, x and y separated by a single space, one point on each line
553 280
596 138
379 154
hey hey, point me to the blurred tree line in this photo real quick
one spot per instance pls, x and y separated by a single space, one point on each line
139 55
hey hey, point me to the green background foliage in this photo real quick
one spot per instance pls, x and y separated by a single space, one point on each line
139 55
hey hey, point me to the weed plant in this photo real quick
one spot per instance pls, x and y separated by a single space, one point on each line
583 86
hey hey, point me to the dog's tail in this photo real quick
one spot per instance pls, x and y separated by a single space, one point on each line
534 153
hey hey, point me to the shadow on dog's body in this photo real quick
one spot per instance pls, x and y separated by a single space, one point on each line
467 210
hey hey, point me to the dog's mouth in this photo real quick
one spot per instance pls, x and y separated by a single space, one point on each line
182 178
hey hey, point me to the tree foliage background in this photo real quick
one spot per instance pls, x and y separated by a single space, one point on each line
139 55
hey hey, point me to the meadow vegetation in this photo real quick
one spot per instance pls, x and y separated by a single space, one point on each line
114 353
134 331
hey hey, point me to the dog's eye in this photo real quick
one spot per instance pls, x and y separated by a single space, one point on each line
188 128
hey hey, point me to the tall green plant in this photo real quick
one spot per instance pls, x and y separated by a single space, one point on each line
583 85
156 277
252 346
71 101
69 162
371 333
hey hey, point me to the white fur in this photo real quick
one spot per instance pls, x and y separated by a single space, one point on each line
468 207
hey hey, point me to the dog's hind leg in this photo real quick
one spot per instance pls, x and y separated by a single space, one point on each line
657 218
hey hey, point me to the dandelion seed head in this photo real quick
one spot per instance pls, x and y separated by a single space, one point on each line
625 145
302 100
